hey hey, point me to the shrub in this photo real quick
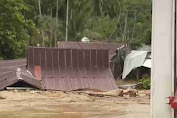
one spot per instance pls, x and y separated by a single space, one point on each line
145 82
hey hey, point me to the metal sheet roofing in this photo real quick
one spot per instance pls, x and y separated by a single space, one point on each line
112 47
9 76
9 66
72 69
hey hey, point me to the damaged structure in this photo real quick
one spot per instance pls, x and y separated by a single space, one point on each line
115 50
13 72
71 69
137 59
71 66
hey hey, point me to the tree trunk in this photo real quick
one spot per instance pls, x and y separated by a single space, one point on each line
51 28
67 21
40 13
56 24
125 28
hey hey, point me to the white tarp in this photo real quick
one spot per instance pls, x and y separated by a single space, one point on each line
147 63
85 39
133 60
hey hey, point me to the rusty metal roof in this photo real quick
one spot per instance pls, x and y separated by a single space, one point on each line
71 69
8 74
112 47
9 66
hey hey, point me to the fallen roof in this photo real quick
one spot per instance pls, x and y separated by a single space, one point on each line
135 59
71 69
112 47
9 66
11 74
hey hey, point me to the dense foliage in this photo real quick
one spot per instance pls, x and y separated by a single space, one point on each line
21 22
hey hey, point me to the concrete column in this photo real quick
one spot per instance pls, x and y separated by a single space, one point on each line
162 84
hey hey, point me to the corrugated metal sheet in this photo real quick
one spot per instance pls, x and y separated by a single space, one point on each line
8 74
112 47
9 66
72 69
8 80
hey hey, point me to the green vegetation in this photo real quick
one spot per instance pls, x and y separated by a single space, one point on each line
145 82
31 22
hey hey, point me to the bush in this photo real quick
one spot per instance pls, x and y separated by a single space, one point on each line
145 82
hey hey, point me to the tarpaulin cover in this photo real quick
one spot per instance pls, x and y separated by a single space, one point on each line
147 63
71 69
133 60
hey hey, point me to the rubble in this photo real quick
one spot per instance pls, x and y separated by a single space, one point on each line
141 95
144 93
129 86
2 97
130 93
117 93
113 93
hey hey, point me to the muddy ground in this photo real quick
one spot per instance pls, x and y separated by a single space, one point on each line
43 104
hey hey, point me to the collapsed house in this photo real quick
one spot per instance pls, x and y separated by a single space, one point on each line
71 69
13 73
116 51
64 68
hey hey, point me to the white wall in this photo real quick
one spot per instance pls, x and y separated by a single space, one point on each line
162 54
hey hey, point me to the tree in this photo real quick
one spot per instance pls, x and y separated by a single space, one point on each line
15 29
125 21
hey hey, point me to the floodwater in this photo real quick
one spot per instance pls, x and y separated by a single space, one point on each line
35 105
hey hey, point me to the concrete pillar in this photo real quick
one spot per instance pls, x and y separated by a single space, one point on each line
162 84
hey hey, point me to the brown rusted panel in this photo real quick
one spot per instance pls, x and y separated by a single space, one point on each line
49 64
112 47
94 70
62 62
8 75
72 69
100 58
26 77
5 70
68 57
105 59
9 66
12 63
2 75
75 58
43 62
30 60
8 80
37 70
69 45
55 61
77 71
37 56
11 79
87 59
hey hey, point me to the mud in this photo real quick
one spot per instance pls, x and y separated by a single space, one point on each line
68 105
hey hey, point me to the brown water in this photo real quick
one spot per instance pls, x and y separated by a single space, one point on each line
24 105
